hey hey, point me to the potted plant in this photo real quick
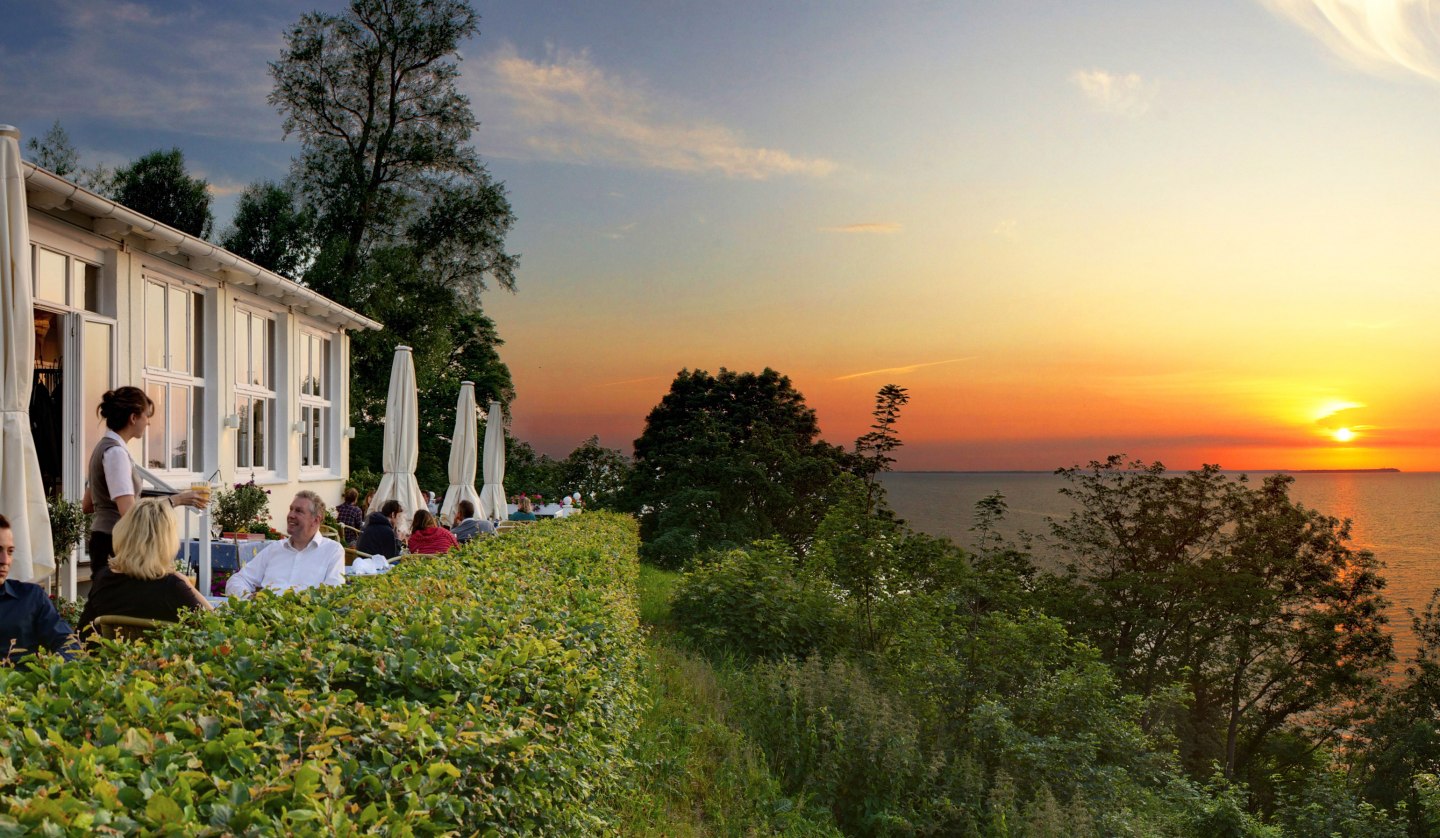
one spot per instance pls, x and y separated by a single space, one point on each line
68 526
235 510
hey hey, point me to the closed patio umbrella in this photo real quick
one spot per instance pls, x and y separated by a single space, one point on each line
492 494
22 495
402 438
464 451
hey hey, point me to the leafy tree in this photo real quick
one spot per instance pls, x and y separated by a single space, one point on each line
158 186
54 151
1252 602
727 459
409 226
873 449
596 472
271 231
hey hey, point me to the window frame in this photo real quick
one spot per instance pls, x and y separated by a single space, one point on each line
274 445
168 379
323 401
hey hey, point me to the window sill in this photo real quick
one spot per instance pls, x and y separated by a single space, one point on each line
319 476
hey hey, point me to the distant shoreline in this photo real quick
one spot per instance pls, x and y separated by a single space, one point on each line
1225 470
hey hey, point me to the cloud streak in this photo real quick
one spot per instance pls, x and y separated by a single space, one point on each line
1382 37
567 109
872 227
903 370
1120 93
188 69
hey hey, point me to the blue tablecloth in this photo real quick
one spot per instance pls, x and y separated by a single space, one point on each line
223 554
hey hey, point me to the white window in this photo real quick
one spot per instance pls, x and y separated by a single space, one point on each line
173 336
314 401
68 281
255 444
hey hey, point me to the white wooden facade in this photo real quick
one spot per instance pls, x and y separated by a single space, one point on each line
248 370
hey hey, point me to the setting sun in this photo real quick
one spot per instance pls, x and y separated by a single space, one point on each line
1344 435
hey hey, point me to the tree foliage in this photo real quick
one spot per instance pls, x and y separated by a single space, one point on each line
1255 604
873 449
408 226
54 151
158 186
270 230
726 459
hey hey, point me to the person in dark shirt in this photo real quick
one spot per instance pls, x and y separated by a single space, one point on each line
28 619
142 581
380 537
350 515
467 526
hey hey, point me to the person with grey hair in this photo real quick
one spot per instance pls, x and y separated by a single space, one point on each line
304 559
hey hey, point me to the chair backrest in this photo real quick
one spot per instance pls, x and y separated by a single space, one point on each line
116 627
351 554
330 532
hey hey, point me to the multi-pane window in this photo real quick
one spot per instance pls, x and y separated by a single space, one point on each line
173 337
255 390
314 358
68 281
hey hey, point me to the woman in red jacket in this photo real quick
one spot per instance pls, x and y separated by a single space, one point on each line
426 536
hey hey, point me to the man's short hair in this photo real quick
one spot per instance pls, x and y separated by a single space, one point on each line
391 507
316 504
4 523
465 509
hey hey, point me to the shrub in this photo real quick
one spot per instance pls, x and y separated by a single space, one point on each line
489 691
751 603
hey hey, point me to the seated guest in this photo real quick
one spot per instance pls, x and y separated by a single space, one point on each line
468 526
305 559
381 534
350 515
427 536
28 619
523 510
142 581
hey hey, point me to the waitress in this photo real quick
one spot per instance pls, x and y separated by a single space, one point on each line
114 485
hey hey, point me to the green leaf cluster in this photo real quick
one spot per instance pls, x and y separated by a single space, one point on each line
491 691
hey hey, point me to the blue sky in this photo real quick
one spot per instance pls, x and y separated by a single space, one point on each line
1178 230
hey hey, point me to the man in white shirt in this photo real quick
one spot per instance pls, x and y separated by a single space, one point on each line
304 560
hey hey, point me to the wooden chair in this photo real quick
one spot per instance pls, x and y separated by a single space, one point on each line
116 627
351 554
330 532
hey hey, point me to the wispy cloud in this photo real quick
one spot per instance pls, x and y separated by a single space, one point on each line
903 370
620 232
1121 93
1385 37
566 108
187 68
881 227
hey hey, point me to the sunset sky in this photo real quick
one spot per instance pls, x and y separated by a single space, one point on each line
1192 232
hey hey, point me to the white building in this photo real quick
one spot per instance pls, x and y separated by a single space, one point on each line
248 370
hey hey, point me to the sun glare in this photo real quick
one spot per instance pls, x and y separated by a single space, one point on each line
1344 435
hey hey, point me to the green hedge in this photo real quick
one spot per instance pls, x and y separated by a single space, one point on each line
491 692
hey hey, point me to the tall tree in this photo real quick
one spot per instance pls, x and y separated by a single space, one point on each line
725 459
158 186
270 230
371 94
873 449
55 152
410 227
1255 604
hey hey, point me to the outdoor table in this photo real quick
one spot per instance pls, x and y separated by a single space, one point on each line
224 555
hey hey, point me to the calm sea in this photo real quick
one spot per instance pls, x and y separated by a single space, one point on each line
1394 515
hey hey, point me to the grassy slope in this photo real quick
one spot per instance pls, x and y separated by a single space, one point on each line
695 774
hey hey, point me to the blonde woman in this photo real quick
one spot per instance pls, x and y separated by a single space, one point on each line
142 581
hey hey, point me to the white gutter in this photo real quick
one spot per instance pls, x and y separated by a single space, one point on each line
214 257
